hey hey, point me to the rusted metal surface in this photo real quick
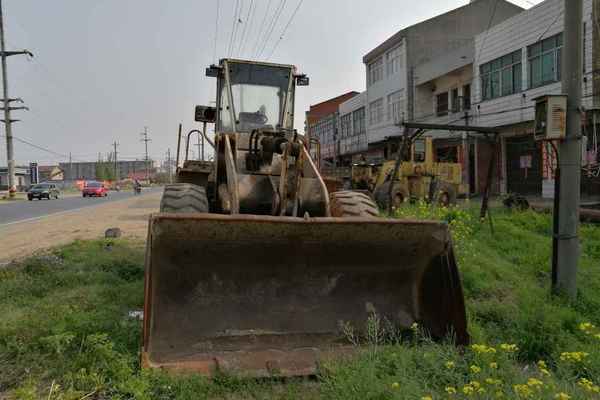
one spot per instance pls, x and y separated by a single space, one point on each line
263 296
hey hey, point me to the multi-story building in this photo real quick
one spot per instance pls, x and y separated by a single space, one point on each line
353 143
515 62
322 124
390 67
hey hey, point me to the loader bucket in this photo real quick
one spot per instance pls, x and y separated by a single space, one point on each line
267 296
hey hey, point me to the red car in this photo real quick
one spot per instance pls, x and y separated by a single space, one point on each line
96 189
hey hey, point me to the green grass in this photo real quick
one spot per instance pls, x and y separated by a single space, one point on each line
65 332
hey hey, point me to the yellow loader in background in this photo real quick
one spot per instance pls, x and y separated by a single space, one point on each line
420 178
253 267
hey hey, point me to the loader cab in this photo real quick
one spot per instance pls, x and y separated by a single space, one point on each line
254 95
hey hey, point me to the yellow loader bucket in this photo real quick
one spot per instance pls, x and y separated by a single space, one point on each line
267 296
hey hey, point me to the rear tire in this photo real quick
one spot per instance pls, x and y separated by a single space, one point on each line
184 198
348 204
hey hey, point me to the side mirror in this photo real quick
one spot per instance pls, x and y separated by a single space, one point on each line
213 71
205 114
302 80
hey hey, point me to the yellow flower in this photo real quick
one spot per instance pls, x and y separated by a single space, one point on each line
483 349
522 391
451 390
492 381
586 327
545 372
426 398
542 364
562 396
395 385
475 369
509 348
475 384
588 385
450 365
535 383
468 390
494 365
577 356
499 394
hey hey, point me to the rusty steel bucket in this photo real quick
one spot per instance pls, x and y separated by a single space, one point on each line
263 296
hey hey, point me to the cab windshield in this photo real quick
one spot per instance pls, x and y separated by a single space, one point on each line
259 95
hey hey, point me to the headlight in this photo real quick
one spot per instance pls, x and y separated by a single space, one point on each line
45 192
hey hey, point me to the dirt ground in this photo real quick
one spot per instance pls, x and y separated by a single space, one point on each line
131 216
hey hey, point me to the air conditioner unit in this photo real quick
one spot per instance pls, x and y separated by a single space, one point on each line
550 117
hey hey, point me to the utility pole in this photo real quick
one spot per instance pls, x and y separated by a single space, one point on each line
115 144
10 157
566 250
70 166
146 140
169 166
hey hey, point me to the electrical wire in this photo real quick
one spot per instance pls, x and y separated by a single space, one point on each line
487 31
272 27
233 26
216 33
285 29
261 28
247 26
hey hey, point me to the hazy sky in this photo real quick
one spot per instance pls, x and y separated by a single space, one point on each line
104 69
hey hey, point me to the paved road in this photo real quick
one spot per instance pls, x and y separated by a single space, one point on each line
20 211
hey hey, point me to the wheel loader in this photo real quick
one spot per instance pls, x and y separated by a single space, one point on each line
253 268
420 177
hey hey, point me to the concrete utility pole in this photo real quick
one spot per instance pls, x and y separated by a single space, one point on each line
115 144
70 166
169 166
566 250
10 157
146 140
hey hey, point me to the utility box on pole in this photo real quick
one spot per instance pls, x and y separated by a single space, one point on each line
550 117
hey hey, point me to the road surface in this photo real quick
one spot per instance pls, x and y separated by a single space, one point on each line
23 238
21 211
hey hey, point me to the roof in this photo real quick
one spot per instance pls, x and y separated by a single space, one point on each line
396 38
324 108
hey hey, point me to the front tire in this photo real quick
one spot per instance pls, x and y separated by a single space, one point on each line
184 198
348 204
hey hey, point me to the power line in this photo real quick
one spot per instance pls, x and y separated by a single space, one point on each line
233 25
272 26
216 33
487 31
285 29
247 27
560 14
261 28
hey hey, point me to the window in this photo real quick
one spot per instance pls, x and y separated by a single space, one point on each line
419 150
358 119
442 104
395 106
393 61
501 77
376 71
346 125
545 60
467 97
376 112
455 105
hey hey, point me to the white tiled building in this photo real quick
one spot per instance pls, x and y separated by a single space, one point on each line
390 67
516 61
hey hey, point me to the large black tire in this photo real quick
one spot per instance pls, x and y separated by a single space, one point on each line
447 196
184 198
381 196
347 204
